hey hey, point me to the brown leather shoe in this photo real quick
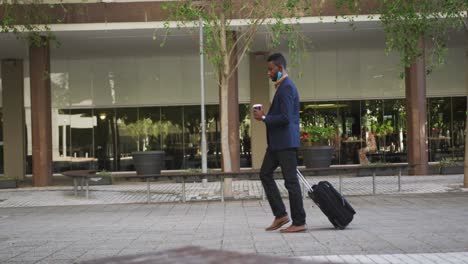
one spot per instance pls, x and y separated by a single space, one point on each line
277 223
293 229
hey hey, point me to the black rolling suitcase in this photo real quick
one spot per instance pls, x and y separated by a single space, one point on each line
330 201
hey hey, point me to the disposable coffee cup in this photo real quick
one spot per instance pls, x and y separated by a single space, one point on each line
257 106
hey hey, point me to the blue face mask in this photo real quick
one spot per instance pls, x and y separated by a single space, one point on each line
278 76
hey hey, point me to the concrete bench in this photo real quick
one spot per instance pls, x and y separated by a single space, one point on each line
185 177
359 170
340 171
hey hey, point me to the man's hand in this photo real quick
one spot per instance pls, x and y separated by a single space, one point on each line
257 114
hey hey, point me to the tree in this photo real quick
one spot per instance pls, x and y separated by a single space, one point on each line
146 129
226 45
417 30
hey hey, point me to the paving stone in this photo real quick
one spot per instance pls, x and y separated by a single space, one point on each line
409 228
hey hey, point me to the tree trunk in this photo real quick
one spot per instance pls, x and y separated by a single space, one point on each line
465 181
229 110
415 87
225 149
223 109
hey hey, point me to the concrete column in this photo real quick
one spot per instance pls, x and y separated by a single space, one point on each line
39 61
14 143
415 81
259 94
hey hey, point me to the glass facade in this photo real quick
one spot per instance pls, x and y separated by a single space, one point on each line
101 100
104 138
446 124
375 130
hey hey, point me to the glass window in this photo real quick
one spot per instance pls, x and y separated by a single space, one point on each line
149 124
349 127
323 114
373 131
192 136
244 135
395 130
128 139
62 153
82 122
213 135
105 139
458 130
439 124
1 140
173 144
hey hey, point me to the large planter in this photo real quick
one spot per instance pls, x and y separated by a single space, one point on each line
102 180
7 183
454 169
148 162
317 156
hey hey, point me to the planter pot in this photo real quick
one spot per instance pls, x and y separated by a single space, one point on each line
452 170
148 162
6 184
317 156
103 181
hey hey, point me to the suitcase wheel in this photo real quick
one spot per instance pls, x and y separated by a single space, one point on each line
340 227
337 225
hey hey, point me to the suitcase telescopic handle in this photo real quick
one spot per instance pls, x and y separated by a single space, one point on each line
303 180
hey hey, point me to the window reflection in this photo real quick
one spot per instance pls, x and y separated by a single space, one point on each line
371 129
127 138
82 122
439 128
62 153
244 135
213 136
374 130
1 140
349 124
324 114
394 118
458 129
105 139
147 131
173 144
192 137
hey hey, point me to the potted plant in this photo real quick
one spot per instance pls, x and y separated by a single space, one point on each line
449 166
316 149
102 178
382 130
8 182
149 135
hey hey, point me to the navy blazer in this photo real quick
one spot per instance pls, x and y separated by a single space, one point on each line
282 119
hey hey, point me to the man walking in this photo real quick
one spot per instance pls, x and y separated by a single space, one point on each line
282 124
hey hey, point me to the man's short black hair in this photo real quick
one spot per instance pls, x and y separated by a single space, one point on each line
278 59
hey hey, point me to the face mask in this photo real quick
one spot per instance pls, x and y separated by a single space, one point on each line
278 76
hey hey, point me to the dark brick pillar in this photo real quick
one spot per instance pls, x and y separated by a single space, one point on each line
233 114
39 69
415 80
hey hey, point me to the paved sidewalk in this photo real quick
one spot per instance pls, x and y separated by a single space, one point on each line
136 192
404 228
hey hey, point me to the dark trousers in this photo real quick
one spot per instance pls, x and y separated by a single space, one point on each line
287 160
